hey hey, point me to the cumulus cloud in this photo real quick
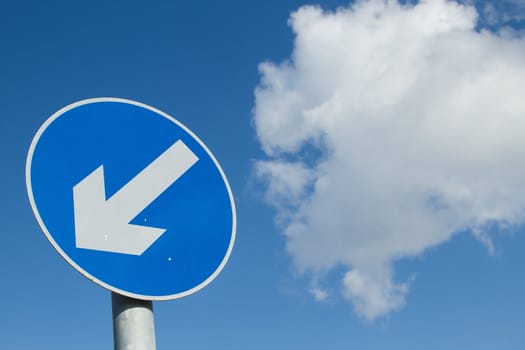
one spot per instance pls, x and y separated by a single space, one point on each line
390 129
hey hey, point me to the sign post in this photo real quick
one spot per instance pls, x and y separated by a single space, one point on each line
133 200
133 324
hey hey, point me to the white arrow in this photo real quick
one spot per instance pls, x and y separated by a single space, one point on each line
102 224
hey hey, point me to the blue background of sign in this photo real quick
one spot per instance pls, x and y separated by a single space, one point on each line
125 138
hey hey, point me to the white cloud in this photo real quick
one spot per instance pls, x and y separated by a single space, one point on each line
390 129
319 294
287 182
373 297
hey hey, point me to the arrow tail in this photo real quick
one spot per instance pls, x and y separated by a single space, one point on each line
138 193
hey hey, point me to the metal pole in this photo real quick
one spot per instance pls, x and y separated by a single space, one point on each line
133 327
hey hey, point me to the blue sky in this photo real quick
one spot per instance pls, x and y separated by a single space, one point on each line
199 62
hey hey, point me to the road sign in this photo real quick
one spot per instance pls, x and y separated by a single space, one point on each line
131 198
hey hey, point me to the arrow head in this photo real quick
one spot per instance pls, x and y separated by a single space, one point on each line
99 225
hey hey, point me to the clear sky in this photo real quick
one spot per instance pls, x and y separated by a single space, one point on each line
374 151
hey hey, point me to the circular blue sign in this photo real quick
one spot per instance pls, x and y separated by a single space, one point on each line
131 198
